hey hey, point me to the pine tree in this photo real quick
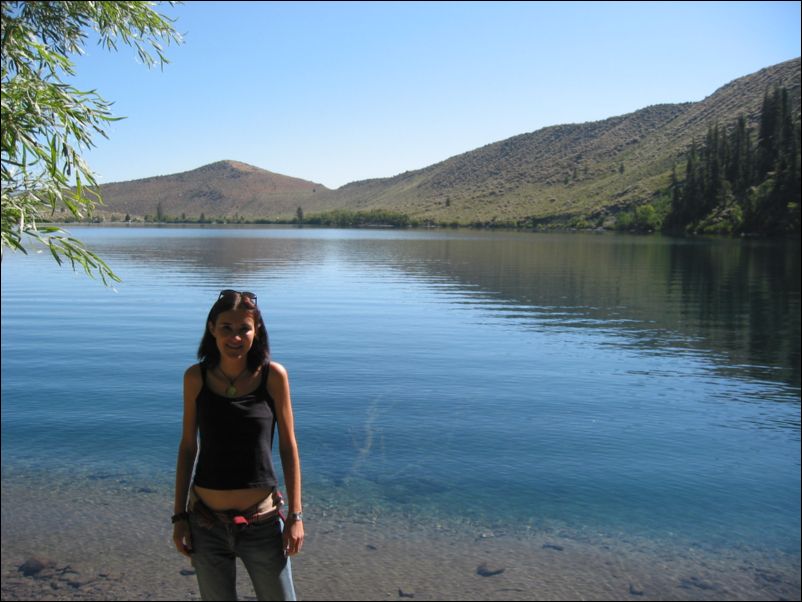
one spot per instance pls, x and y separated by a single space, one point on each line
770 117
751 187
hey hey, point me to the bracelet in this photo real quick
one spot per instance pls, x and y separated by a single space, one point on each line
180 516
296 516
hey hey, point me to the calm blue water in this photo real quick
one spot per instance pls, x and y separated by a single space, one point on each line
624 385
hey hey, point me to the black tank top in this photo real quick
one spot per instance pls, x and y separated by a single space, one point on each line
236 438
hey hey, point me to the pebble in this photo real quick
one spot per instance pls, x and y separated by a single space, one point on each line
485 571
696 582
551 546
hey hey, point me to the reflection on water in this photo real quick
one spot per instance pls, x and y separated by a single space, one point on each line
737 298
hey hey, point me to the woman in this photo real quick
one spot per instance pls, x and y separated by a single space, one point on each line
233 399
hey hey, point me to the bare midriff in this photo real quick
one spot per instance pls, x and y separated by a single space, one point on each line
238 499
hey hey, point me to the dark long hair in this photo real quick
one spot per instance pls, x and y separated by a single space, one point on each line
259 354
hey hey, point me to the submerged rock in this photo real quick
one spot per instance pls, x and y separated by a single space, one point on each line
33 566
485 571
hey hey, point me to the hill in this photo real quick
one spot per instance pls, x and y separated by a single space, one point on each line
224 188
556 174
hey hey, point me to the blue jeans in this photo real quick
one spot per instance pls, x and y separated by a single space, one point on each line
259 545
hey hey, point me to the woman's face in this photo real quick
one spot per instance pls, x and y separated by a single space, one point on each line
234 332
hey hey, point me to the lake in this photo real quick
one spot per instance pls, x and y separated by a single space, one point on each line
609 387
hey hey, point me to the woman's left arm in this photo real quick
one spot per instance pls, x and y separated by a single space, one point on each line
278 385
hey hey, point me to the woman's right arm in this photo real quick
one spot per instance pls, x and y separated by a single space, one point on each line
187 450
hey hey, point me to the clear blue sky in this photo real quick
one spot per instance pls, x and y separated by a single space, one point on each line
336 92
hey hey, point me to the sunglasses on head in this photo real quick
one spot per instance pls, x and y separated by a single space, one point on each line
245 294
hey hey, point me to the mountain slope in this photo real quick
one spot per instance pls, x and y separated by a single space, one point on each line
568 170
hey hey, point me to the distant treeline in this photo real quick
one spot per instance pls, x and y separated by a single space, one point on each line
737 184
343 218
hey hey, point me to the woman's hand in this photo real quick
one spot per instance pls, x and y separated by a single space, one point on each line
293 537
182 538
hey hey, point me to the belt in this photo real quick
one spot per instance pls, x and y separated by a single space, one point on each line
242 518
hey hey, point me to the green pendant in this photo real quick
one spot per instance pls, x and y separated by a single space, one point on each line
231 391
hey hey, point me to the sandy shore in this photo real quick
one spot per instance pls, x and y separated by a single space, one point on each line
84 544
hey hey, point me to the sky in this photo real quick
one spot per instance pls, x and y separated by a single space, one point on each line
336 92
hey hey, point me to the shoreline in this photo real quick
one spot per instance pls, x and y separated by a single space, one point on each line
458 228
98 543
352 561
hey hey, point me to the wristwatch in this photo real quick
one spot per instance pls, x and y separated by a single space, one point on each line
297 516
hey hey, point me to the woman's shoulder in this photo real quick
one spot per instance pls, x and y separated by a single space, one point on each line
275 367
194 374
276 374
